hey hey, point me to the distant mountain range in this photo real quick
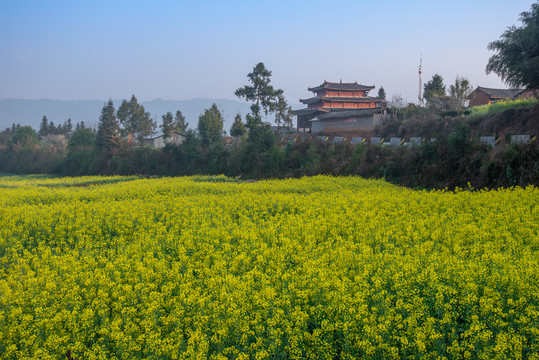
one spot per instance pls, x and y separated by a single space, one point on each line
30 112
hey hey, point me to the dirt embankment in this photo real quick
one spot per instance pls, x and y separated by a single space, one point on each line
524 120
517 121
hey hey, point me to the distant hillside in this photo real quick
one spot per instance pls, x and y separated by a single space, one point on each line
30 112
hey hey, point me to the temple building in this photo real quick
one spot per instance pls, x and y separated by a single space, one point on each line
338 107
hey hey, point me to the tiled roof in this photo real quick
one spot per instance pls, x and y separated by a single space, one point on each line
312 100
353 99
317 99
160 134
346 113
305 111
340 86
500 93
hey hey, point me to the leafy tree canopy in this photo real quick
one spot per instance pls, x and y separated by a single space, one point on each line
460 91
24 136
517 53
82 139
171 124
260 92
135 120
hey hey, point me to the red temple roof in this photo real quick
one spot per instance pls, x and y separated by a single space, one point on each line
317 99
340 86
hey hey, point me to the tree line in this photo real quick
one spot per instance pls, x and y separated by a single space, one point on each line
121 132
255 151
115 147
453 160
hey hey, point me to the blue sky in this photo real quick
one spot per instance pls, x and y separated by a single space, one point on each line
179 50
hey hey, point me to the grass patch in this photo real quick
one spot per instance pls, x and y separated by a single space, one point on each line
16 181
219 179
500 106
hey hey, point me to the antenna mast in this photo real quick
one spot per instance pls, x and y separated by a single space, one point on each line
419 98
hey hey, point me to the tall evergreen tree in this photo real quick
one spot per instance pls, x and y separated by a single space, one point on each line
283 113
179 122
434 87
167 125
107 137
68 128
382 93
52 128
44 127
237 129
210 125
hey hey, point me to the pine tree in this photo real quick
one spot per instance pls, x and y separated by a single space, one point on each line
167 127
210 125
44 127
382 93
179 122
52 128
283 113
68 128
434 87
261 93
107 137
238 128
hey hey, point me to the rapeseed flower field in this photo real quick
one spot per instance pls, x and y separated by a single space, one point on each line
311 268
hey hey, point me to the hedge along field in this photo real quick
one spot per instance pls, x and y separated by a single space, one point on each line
319 267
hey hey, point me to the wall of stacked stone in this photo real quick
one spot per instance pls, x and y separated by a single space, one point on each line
396 141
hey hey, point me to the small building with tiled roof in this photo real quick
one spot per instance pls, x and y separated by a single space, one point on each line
484 96
338 107
159 141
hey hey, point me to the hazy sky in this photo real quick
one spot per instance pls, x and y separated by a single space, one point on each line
177 50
